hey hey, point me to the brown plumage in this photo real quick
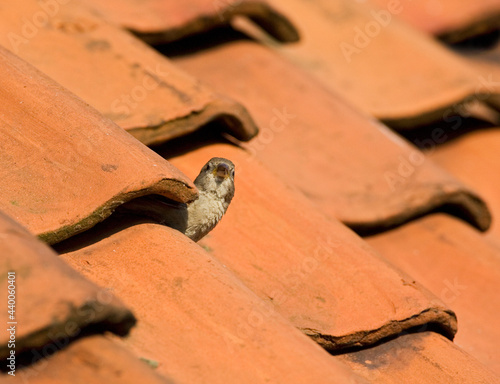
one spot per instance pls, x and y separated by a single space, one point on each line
215 184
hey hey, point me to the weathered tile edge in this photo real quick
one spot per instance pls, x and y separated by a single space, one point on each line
264 15
440 319
170 188
233 116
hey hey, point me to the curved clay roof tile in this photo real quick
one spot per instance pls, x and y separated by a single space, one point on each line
64 166
158 21
53 304
116 73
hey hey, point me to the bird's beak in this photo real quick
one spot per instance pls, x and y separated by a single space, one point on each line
222 171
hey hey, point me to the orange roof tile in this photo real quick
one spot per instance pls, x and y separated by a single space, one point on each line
421 358
317 273
195 319
376 62
473 158
487 65
230 312
458 266
91 360
52 303
139 83
64 166
451 20
320 145
163 21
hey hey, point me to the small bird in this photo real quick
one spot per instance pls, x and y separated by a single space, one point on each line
215 184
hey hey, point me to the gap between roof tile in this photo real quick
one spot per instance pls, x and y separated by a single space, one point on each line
65 167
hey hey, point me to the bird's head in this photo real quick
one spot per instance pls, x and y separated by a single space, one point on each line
217 175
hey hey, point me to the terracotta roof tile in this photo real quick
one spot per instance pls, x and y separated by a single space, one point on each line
164 21
461 268
53 303
487 65
450 20
317 273
90 360
228 311
195 319
422 358
320 146
64 166
473 158
369 53
139 82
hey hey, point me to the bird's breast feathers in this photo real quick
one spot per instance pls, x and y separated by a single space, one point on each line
204 214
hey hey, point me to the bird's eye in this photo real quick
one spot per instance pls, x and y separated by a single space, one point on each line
232 173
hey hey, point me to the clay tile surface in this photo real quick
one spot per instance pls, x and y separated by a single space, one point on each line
53 303
158 21
65 167
195 319
379 64
450 20
486 62
421 358
320 146
318 274
92 360
473 158
124 79
461 268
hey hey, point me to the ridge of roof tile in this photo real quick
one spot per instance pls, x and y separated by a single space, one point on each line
91 360
320 146
139 82
354 61
420 358
318 274
185 298
65 167
158 21
461 268
53 303
449 20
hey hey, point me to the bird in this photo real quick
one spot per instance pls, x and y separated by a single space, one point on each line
215 184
